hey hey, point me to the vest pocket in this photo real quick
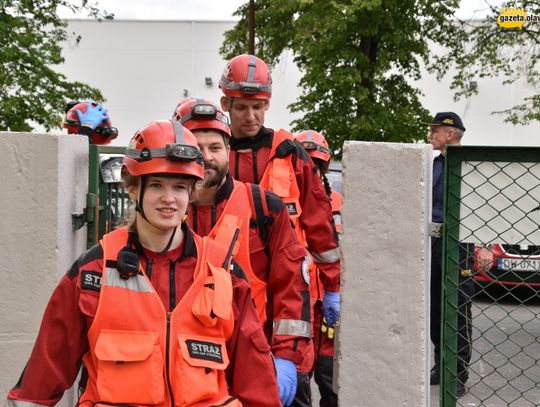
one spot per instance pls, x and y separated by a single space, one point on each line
200 365
130 367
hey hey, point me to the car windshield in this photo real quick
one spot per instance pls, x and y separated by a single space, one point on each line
334 176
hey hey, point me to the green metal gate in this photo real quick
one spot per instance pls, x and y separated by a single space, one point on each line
492 200
107 200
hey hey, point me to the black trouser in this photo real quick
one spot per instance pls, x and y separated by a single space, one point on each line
324 371
465 292
302 397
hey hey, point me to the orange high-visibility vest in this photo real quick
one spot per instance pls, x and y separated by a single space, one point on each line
280 178
336 199
140 354
236 215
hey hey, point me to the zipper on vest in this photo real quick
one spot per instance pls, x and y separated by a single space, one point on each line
167 353
172 286
255 169
236 164
228 401
213 215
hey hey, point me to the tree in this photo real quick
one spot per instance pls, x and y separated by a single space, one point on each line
31 36
358 58
485 49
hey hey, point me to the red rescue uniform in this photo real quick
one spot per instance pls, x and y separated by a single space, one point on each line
276 261
78 324
248 161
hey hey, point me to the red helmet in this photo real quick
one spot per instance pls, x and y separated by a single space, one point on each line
164 146
104 132
196 114
315 144
246 76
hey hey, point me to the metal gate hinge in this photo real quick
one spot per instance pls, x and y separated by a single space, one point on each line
88 215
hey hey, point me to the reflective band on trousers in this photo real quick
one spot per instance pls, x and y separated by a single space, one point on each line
20 403
328 256
294 327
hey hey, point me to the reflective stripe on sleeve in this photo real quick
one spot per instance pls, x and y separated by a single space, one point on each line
21 403
136 283
328 256
293 327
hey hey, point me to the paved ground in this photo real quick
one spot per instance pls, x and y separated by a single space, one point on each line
505 365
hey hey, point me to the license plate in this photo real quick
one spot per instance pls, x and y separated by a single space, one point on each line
519 264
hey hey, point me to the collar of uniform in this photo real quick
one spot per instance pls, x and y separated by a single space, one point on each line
189 243
225 191
186 248
440 157
262 139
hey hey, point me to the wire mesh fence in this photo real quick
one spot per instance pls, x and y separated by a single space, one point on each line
491 281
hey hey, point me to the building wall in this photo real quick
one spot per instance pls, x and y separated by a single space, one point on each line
44 180
144 69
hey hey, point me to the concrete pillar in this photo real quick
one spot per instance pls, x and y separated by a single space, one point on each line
44 179
382 356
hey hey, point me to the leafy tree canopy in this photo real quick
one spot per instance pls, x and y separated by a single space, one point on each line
484 49
31 37
359 60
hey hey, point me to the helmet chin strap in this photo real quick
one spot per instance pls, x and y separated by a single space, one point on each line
139 208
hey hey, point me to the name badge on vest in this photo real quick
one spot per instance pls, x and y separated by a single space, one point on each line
291 207
91 280
205 350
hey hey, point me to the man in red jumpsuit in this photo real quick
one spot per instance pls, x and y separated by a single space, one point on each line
275 161
274 256
318 149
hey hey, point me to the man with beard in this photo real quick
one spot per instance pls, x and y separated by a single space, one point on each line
267 247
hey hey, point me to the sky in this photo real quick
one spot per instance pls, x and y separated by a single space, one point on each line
221 9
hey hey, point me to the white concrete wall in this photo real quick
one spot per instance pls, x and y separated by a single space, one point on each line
382 352
44 179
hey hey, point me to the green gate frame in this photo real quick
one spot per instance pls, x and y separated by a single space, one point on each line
98 207
455 155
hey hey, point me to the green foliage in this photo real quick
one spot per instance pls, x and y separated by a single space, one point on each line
31 37
358 58
483 49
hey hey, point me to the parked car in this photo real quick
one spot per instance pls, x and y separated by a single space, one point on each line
334 176
513 265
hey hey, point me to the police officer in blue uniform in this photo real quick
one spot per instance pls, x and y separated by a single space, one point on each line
447 128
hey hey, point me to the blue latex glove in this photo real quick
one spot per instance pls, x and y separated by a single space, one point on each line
287 380
94 115
331 307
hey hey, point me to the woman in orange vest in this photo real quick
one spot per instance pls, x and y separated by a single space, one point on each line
153 310
317 148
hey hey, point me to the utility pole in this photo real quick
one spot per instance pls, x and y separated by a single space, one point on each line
251 27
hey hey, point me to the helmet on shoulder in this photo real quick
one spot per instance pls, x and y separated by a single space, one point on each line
104 133
199 114
164 146
315 144
246 76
